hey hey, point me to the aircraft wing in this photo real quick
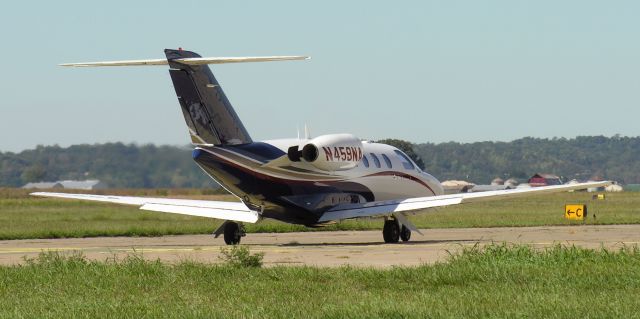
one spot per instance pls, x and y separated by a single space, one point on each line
379 208
235 211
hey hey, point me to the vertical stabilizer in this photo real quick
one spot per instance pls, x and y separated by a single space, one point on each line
209 115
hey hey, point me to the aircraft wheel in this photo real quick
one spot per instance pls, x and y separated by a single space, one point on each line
391 231
405 233
232 233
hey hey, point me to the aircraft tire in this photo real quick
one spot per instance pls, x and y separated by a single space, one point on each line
391 231
232 233
405 233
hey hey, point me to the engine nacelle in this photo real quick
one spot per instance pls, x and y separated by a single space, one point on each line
334 152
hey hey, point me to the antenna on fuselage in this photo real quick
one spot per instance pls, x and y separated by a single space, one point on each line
307 135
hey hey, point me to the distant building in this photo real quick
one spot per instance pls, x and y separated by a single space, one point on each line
573 182
595 189
454 187
544 180
43 185
68 184
487 188
511 182
614 188
86 185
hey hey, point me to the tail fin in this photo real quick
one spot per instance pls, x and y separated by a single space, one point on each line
206 109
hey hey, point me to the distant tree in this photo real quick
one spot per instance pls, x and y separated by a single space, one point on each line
117 164
136 166
616 158
407 148
35 173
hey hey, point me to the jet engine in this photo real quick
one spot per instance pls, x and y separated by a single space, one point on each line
333 152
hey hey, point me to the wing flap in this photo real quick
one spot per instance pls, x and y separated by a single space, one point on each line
385 207
240 216
235 211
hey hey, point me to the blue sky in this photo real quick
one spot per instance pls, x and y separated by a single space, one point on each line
424 71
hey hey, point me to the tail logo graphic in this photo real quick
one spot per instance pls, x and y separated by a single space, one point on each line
198 114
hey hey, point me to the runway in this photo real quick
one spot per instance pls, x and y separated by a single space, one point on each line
355 248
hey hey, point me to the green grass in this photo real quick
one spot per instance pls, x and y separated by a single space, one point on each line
22 216
497 282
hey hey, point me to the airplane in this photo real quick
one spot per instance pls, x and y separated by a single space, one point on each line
308 181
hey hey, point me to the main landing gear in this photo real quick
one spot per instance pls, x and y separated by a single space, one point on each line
233 232
392 231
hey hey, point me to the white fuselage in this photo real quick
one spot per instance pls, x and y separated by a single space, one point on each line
397 178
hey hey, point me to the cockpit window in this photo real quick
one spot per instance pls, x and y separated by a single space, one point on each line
387 160
365 161
376 161
406 162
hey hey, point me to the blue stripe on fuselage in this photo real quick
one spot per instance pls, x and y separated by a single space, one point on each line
259 151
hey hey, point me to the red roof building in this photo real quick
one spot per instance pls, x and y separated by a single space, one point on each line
544 180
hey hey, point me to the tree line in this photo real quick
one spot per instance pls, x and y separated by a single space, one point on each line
116 164
149 166
585 157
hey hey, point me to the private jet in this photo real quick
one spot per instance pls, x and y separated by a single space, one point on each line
307 181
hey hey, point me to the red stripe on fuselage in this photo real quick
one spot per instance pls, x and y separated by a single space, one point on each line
403 175
292 181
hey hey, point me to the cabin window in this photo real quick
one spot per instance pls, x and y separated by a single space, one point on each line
406 162
387 160
365 161
376 161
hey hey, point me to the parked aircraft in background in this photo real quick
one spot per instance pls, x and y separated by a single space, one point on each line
310 181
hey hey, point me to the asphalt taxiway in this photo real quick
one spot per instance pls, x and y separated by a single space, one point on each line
355 248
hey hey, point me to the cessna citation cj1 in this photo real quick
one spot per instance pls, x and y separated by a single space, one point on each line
312 182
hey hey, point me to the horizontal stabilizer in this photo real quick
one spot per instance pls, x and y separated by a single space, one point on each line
188 61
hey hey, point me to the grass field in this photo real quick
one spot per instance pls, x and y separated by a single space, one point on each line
23 216
499 282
